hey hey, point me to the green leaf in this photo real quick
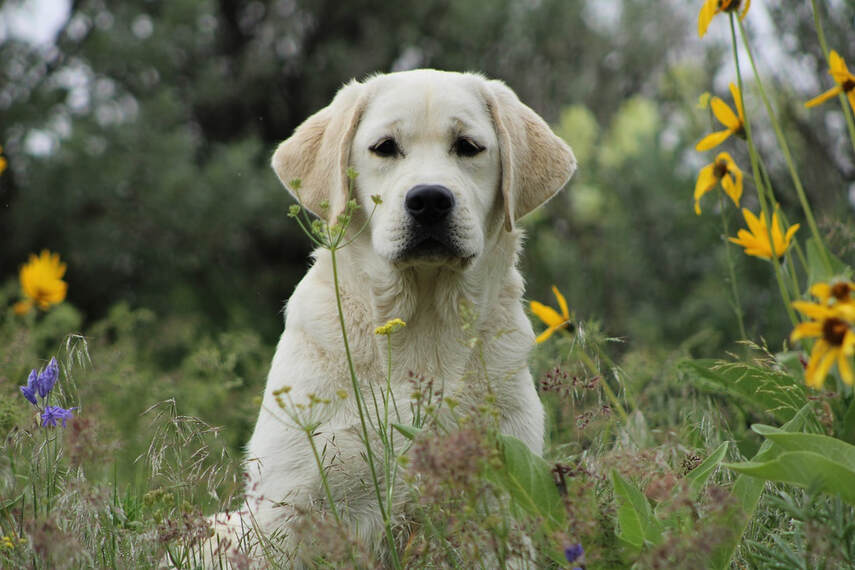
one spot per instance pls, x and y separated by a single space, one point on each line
774 393
848 429
804 469
637 523
831 448
749 489
699 475
410 432
817 270
529 481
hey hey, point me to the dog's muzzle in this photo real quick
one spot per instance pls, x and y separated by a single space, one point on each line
429 207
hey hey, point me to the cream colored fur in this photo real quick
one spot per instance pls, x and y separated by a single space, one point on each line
523 165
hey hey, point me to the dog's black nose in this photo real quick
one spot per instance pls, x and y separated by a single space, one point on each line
429 204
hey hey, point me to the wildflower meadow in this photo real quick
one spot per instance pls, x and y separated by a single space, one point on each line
691 290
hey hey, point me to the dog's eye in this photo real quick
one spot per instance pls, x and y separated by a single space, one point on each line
466 147
385 148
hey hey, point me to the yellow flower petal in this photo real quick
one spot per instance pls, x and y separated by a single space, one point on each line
725 114
809 329
812 311
706 15
745 8
845 368
545 334
821 291
820 351
712 140
737 100
546 314
562 303
819 99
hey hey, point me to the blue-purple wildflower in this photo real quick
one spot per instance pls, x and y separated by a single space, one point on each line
48 378
54 413
40 384
574 553
29 391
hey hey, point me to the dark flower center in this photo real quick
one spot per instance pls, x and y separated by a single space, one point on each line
720 169
848 85
834 330
729 5
840 291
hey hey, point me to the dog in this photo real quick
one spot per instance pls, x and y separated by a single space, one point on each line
456 160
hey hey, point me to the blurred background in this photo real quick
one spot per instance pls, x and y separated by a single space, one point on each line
138 134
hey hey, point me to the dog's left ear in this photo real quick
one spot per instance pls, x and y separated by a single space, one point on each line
536 164
318 153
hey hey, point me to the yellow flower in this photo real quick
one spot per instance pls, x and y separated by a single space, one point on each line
2 161
735 122
832 325
390 327
837 292
845 82
41 282
550 317
713 7
756 239
723 171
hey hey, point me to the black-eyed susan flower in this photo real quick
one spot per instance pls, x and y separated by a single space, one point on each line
834 292
713 7
755 240
550 317
844 79
724 172
41 282
832 326
735 122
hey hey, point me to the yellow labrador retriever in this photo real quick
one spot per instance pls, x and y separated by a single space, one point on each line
457 160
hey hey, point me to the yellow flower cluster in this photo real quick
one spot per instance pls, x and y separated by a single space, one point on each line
723 171
831 322
390 327
41 282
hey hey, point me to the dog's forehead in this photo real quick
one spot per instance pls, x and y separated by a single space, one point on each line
427 101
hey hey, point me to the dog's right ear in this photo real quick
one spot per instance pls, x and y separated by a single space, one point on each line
318 152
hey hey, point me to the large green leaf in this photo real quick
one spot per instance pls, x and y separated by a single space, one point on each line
529 481
774 393
817 269
635 517
748 489
804 469
831 448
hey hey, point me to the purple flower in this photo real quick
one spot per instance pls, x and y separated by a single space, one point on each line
48 378
29 391
574 552
53 413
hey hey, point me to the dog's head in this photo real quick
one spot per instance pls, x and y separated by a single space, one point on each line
450 154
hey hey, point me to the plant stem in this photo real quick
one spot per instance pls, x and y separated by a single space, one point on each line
785 149
844 101
755 168
358 395
737 306
323 475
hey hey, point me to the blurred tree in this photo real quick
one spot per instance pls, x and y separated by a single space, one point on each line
138 144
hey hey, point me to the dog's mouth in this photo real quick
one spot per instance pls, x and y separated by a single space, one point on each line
431 247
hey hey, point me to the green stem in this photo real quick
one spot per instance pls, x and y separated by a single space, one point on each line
737 306
755 168
323 475
358 395
785 149
844 100
606 388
